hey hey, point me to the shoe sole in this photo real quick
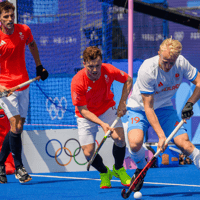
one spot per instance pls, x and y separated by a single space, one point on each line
3 182
126 185
25 181
105 187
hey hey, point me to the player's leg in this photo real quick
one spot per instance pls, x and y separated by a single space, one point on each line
17 121
87 133
182 141
168 119
137 126
119 146
9 106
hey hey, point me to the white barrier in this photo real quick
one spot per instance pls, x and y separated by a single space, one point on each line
40 147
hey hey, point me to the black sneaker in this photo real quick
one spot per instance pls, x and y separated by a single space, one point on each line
3 178
138 187
22 175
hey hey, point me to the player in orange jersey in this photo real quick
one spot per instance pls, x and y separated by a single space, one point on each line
93 98
13 39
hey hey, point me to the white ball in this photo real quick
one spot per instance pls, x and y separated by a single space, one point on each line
137 195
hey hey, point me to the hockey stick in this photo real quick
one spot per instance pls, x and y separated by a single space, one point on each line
100 145
5 93
141 175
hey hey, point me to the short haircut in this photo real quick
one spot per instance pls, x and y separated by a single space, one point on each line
174 46
5 5
91 53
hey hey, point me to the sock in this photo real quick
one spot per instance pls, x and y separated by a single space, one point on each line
119 154
139 158
16 148
98 164
195 157
5 149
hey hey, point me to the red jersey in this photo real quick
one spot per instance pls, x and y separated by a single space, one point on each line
12 56
97 95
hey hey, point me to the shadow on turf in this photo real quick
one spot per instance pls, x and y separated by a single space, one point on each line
47 182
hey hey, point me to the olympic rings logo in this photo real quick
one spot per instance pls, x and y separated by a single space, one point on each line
57 108
66 150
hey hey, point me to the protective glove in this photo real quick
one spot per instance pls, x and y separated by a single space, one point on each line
40 72
187 110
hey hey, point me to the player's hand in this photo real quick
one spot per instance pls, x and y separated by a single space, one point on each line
161 144
106 128
5 90
42 72
121 110
187 111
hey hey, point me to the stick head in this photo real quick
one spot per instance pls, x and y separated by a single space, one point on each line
123 193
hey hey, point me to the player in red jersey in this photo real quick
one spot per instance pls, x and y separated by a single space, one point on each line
13 39
93 98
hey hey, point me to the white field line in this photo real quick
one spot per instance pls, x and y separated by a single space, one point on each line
78 178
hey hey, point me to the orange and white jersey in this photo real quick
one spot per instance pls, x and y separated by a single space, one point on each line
12 56
97 95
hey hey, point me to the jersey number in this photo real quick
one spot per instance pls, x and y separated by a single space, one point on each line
136 120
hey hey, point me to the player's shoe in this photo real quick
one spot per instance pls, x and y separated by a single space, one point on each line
122 175
105 179
3 178
138 187
22 175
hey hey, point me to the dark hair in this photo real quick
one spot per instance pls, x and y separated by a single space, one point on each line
91 53
5 5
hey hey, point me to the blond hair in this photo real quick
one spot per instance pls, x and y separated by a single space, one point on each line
174 47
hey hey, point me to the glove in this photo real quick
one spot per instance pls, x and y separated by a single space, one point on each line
187 110
40 72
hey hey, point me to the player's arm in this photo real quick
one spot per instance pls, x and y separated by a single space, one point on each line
92 117
35 53
40 70
121 110
187 111
148 100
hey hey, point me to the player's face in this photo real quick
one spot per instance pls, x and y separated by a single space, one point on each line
7 18
165 60
93 68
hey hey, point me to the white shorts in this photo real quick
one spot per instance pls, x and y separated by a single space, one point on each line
87 130
16 104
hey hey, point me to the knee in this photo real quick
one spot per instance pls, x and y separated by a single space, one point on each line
135 147
88 152
186 146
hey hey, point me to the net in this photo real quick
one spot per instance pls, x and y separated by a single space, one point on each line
62 30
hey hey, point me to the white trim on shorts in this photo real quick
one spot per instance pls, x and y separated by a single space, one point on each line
16 104
87 129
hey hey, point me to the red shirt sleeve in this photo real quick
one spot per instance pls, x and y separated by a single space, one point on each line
118 75
29 36
78 91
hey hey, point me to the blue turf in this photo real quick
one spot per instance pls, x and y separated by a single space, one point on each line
52 188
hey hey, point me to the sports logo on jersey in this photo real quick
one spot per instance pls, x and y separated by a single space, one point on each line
89 88
76 96
21 35
2 43
106 78
122 73
177 75
160 84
